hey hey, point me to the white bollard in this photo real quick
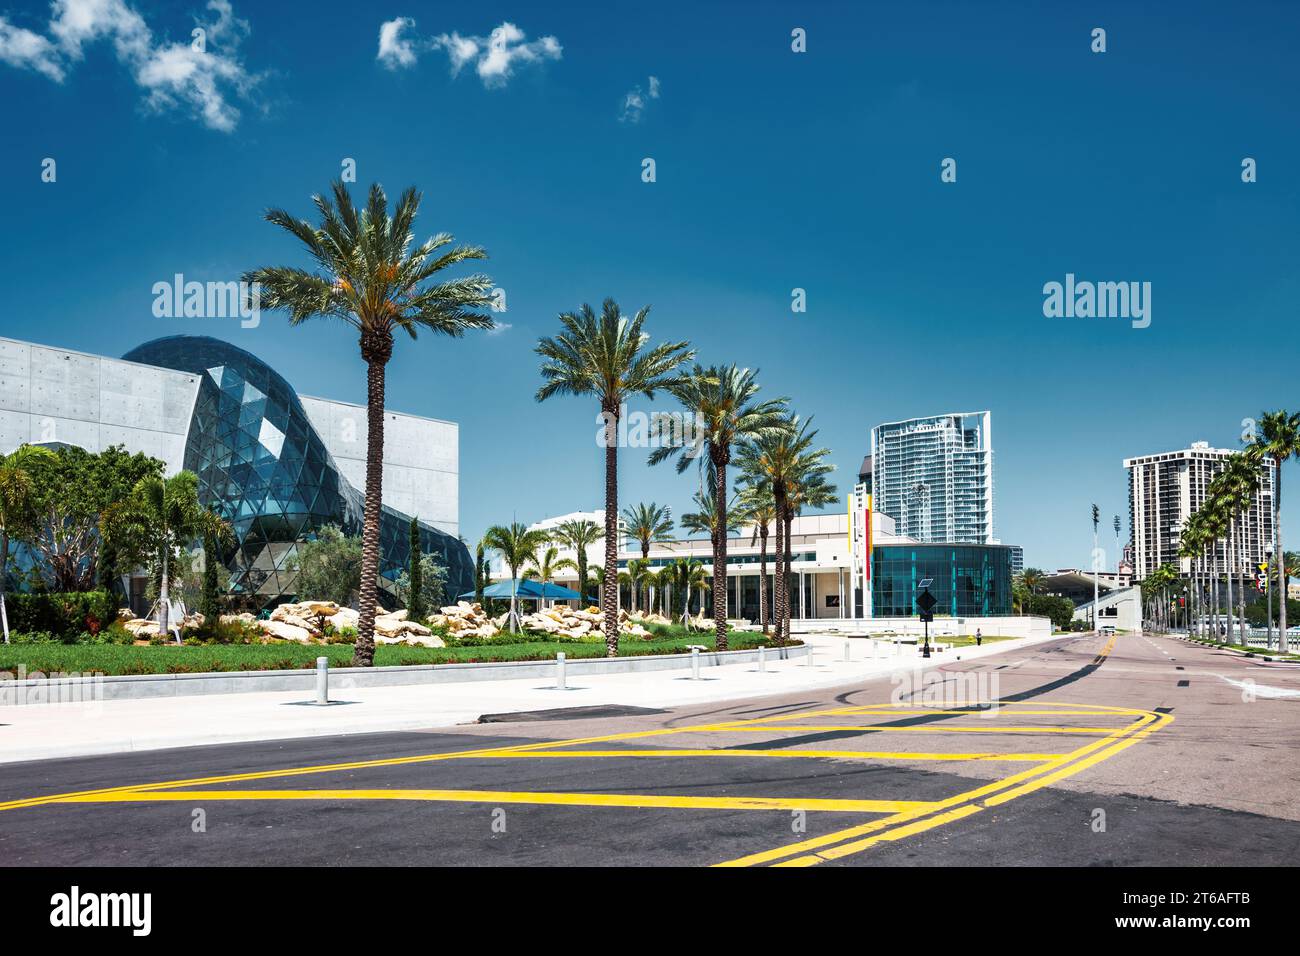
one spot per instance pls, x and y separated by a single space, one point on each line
875 650
695 663
559 671
847 656
762 658
322 680
809 662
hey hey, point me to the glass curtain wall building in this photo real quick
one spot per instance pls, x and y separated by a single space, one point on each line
967 580
263 467
934 476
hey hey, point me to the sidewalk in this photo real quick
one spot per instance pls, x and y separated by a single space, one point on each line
39 732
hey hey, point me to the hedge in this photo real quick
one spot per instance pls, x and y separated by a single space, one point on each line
61 613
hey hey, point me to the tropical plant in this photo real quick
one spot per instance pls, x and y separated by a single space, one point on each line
756 501
777 459
425 590
328 567
368 276
685 574
415 606
73 489
606 357
548 565
158 518
518 545
18 511
480 571
578 535
1277 440
648 523
1033 579
808 488
724 401
634 577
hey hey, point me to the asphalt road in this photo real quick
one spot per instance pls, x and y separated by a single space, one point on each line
1131 751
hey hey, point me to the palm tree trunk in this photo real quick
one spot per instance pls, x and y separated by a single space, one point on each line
1227 576
376 356
762 578
720 556
778 582
789 563
1279 556
609 588
164 599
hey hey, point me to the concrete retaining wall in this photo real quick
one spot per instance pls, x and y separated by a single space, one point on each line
1011 626
139 686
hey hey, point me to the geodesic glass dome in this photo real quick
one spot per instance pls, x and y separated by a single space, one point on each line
263 467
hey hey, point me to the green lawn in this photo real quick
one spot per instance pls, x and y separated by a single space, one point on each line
168 659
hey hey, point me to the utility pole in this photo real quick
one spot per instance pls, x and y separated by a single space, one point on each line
1096 589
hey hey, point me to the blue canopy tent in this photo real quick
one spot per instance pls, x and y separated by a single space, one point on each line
526 588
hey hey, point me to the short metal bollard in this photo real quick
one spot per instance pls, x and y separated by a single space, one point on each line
762 659
695 663
847 654
809 662
322 680
559 670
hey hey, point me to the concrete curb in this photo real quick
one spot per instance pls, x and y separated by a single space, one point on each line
141 686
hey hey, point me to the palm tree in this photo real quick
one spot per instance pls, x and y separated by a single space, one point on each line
579 535
775 458
368 276
17 508
480 571
808 488
1278 439
518 546
607 357
649 523
685 574
1033 579
160 516
635 577
546 567
723 400
756 500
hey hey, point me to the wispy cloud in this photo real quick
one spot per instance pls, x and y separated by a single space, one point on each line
634 100
494 57
500 328
172 75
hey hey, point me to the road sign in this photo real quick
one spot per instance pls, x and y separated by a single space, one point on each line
926 602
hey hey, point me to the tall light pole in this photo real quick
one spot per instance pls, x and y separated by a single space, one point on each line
1096 590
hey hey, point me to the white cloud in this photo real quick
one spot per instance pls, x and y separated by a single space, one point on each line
499 328
634 101
495 57
394 51
172 75
24 49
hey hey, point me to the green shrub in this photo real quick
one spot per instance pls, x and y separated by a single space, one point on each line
64 613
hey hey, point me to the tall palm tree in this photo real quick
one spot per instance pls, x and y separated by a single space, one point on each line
776 458
480 570
17 508
368 275
760 511
1033 579
518 546
808 488
606 356
648 523
723 399
1278 440
579 535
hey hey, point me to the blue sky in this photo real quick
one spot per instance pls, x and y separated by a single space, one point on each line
775 170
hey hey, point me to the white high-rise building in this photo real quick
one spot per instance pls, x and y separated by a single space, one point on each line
1165 490
934 476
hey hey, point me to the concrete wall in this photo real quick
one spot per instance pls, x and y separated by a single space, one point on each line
421 458
1012 626
60 395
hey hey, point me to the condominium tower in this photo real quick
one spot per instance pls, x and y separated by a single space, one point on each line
1165 490
934 476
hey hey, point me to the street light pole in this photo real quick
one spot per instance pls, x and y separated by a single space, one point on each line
1096 591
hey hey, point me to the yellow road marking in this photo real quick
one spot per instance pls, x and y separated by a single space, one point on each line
507 796
963 804
873 728
741 752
